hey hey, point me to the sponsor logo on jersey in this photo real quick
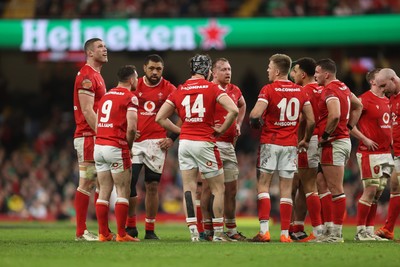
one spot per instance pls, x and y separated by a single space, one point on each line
149 108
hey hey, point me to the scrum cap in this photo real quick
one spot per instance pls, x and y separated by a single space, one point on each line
200 64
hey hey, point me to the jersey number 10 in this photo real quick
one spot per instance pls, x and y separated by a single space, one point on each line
289 109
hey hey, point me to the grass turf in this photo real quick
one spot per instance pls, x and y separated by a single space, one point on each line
52 244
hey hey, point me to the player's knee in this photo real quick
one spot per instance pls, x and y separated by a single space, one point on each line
395 185
371 182
152 188
87 172
382 183
231 175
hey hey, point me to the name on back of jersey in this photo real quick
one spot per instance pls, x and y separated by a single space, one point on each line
105 125
194 119
285 123
287 89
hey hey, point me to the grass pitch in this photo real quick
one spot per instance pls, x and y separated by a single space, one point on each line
52 244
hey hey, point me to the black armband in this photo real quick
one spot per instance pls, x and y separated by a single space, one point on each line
255 123
349 127
325 135
173 136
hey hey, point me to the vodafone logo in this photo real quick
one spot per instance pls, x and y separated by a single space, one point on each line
386 118
149 106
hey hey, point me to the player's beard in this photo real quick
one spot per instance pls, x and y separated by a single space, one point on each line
153 80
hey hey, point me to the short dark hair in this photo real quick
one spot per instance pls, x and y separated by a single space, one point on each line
327 64
125 73
89 44
372 74
307 64
153 57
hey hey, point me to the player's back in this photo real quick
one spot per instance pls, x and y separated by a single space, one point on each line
151 99
90 82
281 119
335 90
195 101
111 119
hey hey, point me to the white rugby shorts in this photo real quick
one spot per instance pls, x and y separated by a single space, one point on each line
148 152
110 158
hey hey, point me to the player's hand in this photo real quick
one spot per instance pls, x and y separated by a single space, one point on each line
165 143
255 123
217 130
303 146
371 145
137 134
322 142
238 132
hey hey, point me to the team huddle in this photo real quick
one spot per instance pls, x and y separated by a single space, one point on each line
305 140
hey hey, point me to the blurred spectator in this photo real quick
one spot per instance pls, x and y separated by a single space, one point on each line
208 8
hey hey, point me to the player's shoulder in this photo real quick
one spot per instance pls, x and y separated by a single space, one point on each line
87 70
167 84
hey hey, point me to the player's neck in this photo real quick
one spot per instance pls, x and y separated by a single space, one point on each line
328 81
124 85
223 85
309 81
376 91
281 78
94 65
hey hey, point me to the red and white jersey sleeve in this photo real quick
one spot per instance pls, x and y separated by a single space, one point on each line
151 99
314 91
335 90
196 101
281 118
375 122
90 82
220 113
111 117
395 109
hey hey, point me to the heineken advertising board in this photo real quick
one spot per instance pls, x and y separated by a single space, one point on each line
199 34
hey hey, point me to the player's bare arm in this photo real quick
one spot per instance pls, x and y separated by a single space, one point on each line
242 113
168 142
87 101
256 113
131 117
162 118
355 111
370 144
233 111
308 116
333 106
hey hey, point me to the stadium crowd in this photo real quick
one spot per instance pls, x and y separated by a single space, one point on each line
68 9
208 8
